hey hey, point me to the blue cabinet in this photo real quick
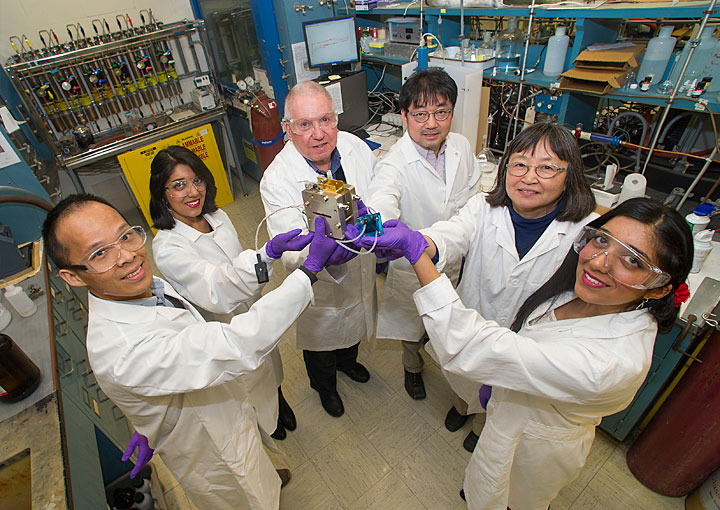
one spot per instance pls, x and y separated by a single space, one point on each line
664 362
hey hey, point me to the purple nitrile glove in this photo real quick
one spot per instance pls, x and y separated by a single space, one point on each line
388 253
145 453
484 394
287 241
397 235
321 247
342 256
380 267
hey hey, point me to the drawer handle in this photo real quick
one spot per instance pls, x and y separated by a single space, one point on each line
85 372
115 411
61 327
64 371
73 304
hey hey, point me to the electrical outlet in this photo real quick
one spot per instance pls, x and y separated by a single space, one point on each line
394 119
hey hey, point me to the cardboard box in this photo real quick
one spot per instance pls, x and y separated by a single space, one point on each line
600 72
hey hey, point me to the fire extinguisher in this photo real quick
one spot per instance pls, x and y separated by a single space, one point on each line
266 128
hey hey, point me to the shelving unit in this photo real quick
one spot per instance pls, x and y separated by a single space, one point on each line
592 25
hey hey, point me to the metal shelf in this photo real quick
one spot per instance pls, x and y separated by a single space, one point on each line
654 10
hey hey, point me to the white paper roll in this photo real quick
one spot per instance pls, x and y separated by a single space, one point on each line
633 187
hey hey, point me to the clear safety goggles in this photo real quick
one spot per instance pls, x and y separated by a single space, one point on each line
326 121
106 257
181 188
624 264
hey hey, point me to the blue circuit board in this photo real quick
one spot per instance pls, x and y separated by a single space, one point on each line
372 223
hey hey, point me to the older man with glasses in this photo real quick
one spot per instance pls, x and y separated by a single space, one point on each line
343 313
427 176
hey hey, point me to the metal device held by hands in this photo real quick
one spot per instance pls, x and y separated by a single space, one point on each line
334 200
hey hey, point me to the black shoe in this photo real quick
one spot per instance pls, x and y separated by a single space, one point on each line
357 373
454 420
279 433
332 403
284 475
470 441
286 415
462 494
414 385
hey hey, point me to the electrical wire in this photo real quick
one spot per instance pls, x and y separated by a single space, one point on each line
257 230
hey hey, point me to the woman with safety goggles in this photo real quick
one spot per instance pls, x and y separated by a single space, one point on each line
578 349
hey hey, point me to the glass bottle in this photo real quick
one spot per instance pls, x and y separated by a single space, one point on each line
487 46
509 46
19 376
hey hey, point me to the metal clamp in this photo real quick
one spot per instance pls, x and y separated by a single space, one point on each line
711 320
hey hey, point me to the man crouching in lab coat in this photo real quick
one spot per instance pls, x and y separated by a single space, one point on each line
427 176
329 332
173 375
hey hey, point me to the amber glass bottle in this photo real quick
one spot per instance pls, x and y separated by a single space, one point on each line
19 376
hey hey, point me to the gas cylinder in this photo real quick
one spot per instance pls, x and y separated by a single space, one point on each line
266 128
680 446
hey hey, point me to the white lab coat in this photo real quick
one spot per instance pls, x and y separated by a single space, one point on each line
175 377
214 273
344 309
406 187
495 281
552 384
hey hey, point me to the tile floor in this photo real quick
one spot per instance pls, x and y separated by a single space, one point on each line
389 452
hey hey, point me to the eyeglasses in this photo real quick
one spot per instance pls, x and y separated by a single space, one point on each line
623 263
544 171
180 188
423 117
106 257
328 120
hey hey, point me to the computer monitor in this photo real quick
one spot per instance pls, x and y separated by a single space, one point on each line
331 42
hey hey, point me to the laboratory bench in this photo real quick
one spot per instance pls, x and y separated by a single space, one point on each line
72 432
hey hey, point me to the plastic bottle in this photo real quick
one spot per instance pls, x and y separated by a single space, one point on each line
701 57
700 217
488 170
556 51
19 376
5 317
702 247
509 46
19 300
657 55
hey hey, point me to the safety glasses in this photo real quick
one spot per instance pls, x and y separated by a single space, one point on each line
103 259
181 188
624 264
326 121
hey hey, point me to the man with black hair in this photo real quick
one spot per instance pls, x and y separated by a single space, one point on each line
427 176
175 376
